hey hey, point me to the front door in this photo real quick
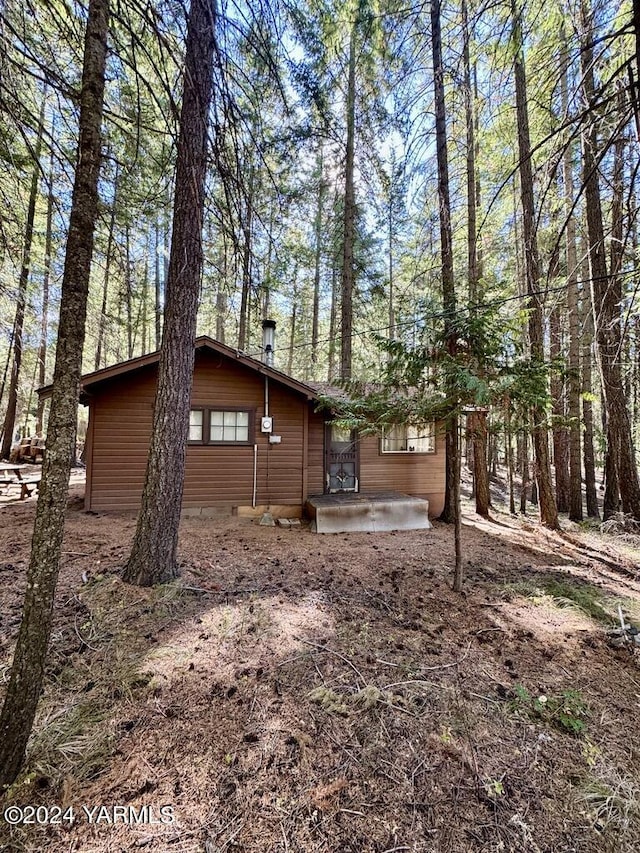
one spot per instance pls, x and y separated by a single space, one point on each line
341 459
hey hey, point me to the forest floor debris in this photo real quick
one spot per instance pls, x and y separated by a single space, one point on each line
298 692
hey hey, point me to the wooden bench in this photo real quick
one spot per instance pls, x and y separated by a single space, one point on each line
25 483
12 476
5 482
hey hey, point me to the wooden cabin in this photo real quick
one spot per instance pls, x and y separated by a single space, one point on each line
256 441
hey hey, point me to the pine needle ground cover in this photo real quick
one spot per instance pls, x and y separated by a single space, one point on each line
293 692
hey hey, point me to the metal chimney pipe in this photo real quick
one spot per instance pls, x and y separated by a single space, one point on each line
268 341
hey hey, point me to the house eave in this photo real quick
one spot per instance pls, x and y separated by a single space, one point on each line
90 380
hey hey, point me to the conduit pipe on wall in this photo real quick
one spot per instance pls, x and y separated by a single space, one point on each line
255 475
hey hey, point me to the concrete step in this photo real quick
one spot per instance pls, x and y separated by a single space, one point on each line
344 513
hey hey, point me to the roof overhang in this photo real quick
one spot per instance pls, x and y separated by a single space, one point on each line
90 381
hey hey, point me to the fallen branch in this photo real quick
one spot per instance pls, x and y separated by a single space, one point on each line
430 669
326 649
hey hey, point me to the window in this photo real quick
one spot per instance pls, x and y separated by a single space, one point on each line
217 426
196 421
229 426
409 438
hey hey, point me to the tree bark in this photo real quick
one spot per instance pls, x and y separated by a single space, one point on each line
606 297
245 297
317 261
153 556
25 684
21 301
157 278
333 318
611 500
391 314
102 320
128 290
480 468
636 84
573 378
145 334
451 504
221 296
588 452
524 469
44 319
478 429
557 323
509 454
346 310
548 509
294 320
472 236
458 573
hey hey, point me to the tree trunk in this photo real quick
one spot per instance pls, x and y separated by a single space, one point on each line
128 291
611 500
573 378
145 335
157 288
589 456
509 451
480 468
168 224
44 320
451 504
557 323
548 509
333 316
458 575
391 314
346 310
245 297
472 236
25 683
317 261
21 302
636 84
153 556
476 123
524 468
102 321
221 297
606 296
479 419
493 455
294 321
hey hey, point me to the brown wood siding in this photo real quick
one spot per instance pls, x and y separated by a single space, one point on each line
280 465
88 456
422 475
121 417
121 414
316 452
217 476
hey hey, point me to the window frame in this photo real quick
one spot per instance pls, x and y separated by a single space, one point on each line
408 452
207 441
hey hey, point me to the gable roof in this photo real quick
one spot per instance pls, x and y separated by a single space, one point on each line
90 381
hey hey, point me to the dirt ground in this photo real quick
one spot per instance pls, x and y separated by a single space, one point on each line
298 692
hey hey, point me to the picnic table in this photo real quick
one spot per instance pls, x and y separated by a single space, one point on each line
11 474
